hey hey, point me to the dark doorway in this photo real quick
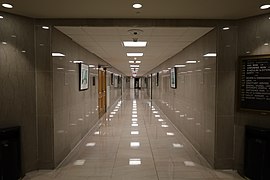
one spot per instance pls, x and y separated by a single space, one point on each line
137 83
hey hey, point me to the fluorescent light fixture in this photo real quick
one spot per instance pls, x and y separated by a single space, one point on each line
135 162
265 6
164 126
134 125
135 44
23 51
4 43
266 44
45 27
134 144
191 62
1 17
160 120
134 116
134 119
91 66
57 54
113 112
137 62
134 66
170 134
134 132
155 112
111 116
134 54
77 62
176 145
6 5
157 115
137 6
97 133
179 65
92 144
225 28
210 55
79 162
131 62
189 163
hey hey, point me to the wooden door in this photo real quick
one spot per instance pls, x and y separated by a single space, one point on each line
101 91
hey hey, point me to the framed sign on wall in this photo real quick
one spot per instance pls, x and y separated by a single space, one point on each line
84 77
254 81
173 77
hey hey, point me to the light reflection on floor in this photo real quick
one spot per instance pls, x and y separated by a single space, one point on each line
138 142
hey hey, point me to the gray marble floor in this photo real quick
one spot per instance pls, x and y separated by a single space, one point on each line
135 140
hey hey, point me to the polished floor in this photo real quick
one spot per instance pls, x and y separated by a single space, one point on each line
135 141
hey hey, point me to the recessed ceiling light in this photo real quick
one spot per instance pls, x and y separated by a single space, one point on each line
45 27
134 54
134 66
131 62
77 62
57 54
210 55
1 17
180 65
226 28
191 62
6 5
137 6
135 44
135 161
266 6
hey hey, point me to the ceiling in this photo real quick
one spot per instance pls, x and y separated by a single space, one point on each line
163 43
106 42
153 9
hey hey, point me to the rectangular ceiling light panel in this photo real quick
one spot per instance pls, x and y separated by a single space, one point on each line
134 54
135 44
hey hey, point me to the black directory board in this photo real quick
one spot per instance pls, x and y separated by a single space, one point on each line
255 83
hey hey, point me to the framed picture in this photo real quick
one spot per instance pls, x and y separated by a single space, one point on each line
94 80
111 78
157 80
84 77
173 77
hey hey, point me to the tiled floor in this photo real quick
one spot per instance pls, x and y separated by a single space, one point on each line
135 140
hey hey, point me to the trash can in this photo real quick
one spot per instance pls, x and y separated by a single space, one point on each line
10 153
257 153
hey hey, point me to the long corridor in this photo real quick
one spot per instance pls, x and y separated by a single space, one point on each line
134 141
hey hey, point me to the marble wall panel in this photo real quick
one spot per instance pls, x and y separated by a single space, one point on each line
17 81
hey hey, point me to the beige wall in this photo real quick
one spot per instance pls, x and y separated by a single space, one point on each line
17 83
253 33
42 99
191 106
74 112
